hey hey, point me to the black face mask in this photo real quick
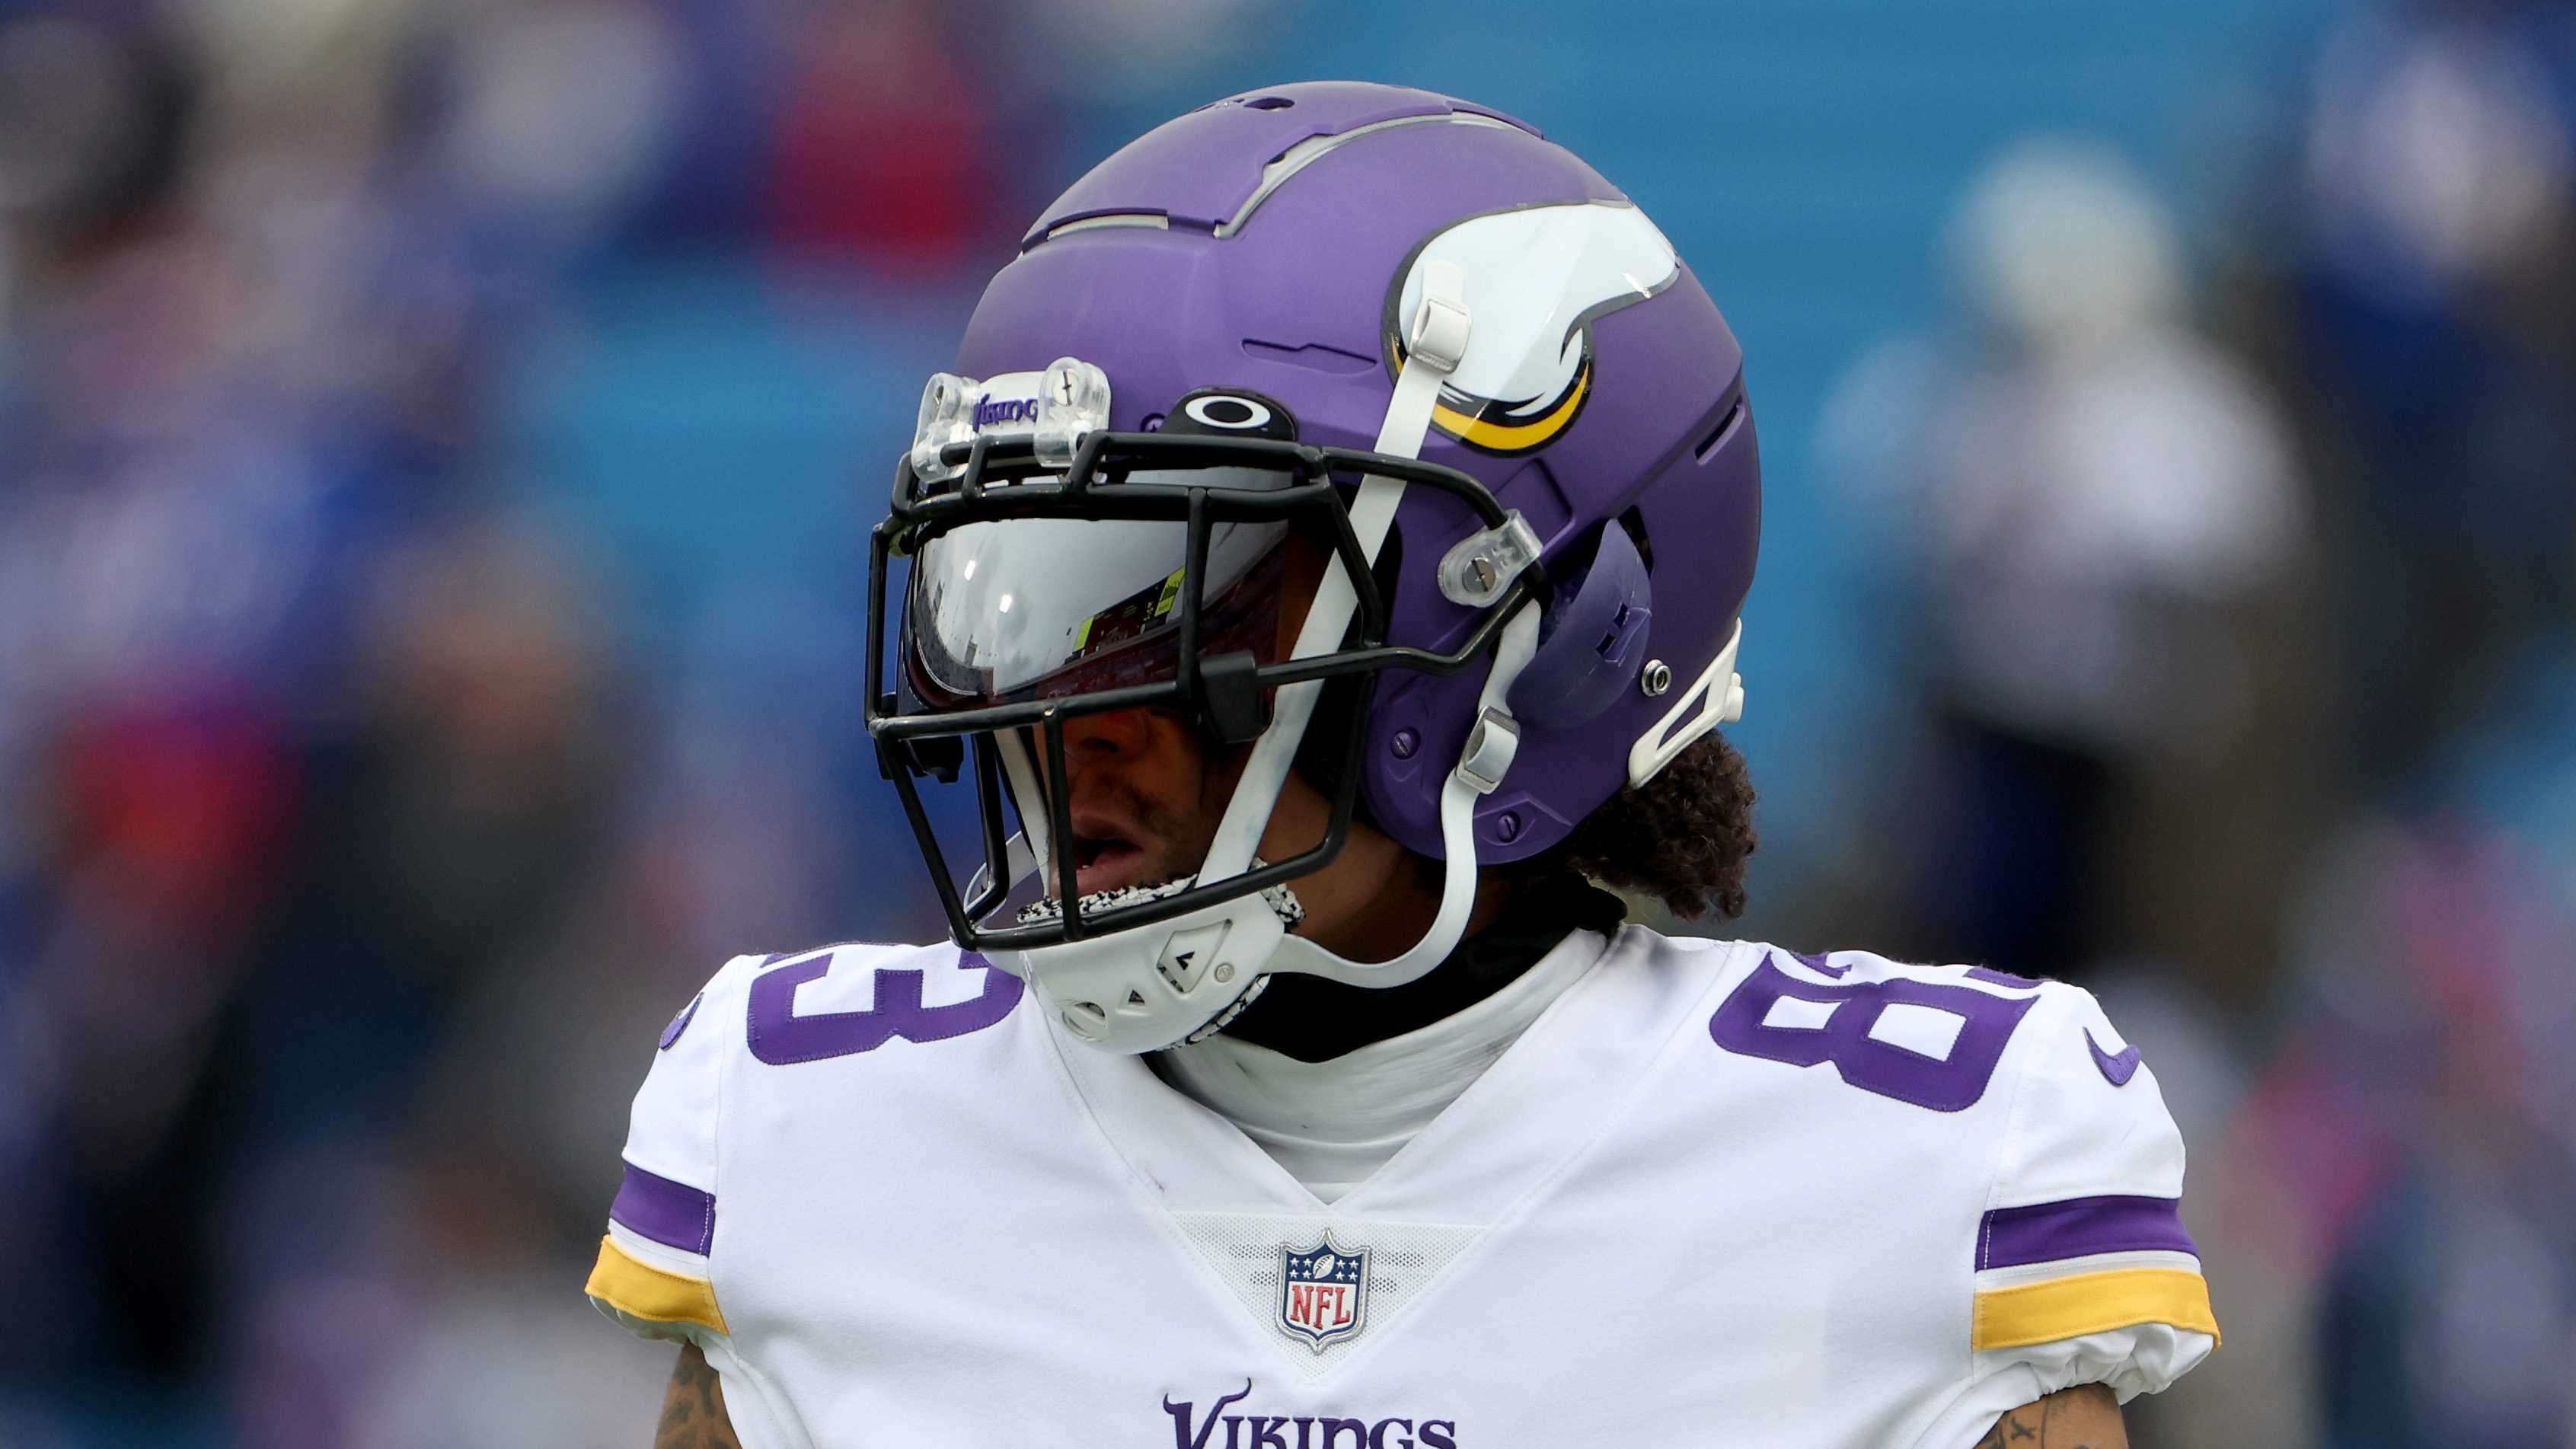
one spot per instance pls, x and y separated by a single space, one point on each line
1315 1020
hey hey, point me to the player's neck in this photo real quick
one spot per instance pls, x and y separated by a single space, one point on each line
1315 1020
1374 899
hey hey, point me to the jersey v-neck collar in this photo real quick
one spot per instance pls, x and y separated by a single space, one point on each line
1333 1122
1547 1096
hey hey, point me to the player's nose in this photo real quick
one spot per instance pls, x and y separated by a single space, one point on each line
1125 734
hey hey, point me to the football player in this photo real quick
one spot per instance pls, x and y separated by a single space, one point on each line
1320 575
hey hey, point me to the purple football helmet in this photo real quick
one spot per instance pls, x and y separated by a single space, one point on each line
1374 337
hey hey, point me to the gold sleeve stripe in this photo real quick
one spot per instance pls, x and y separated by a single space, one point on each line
2064 1308
638 1289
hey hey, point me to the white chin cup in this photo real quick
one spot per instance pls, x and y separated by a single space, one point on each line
1103 991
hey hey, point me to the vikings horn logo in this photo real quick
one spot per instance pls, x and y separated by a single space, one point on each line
1536 278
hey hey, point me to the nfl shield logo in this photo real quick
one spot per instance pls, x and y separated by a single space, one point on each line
1322 1292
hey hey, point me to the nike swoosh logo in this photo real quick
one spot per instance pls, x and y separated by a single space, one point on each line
2117 1070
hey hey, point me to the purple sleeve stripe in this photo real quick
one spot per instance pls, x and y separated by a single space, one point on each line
671 1213
2047 1231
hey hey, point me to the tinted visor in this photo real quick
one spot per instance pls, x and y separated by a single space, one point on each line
1039 607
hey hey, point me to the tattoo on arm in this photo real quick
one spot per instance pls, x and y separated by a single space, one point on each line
693 1411
2084 1417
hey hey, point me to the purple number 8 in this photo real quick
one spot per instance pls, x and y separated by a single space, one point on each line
1842 1033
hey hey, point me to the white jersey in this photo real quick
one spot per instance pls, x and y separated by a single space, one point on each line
1717 1194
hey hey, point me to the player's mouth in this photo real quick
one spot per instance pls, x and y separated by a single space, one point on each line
1105 862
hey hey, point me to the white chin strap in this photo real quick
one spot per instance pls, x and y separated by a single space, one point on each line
1152 987
1490 747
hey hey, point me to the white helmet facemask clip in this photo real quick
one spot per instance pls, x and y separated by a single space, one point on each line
1154 986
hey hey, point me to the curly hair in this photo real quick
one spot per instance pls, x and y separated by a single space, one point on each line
1681 838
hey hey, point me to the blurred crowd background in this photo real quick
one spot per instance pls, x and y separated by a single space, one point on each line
436 439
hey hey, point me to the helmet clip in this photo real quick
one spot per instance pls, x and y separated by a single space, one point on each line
1231 707
1480 566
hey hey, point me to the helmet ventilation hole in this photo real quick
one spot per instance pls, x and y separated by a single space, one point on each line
1717 435
1270 103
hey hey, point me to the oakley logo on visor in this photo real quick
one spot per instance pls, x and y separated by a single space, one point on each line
1234 413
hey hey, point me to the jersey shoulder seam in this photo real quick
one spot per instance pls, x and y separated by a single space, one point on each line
2048 1017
